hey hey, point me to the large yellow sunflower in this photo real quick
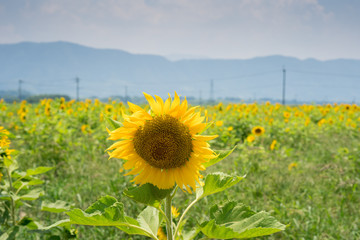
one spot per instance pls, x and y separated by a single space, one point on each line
163 147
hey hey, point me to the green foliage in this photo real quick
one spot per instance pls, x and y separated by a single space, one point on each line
147 194
216 182
318 197
113 123
235 220
17 191
221 154
107 211
56 207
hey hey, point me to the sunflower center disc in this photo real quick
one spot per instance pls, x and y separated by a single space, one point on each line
164 142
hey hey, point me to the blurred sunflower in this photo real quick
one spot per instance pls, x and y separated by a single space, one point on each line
161 234
163 148
250 138
174 212
258 131
272 145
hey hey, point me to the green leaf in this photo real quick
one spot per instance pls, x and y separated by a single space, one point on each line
191 234
10 234
149 219
216 182
29 181
113 123
208 125
107 211
62 223
147 194
101 204
221 155
239 221
32 195
11 164
56 207
29 223
36 171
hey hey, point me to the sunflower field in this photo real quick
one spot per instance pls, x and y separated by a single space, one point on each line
299 163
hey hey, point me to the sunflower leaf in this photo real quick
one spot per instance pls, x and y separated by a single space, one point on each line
56 207
216 182
149 219
235 220
147 194
208 125
113 123
10 234
221 155
31 195
39 170
107 211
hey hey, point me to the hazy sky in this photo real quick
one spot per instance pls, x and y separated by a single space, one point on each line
321 29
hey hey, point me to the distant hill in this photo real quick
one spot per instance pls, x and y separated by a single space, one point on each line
53 67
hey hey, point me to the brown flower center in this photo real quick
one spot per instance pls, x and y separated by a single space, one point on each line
164 142
258 130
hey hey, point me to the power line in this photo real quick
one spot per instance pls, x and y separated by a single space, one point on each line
326 74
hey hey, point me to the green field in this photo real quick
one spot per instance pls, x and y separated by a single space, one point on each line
308 180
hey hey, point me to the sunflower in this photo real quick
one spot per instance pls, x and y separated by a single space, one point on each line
163 148
258 131
272 146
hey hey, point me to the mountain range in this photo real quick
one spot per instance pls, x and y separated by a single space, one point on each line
53 67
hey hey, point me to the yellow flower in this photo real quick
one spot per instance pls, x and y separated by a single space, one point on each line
219 123
258 131
272 146
230 128
292 165
287 114
85 128
3 131
250 138
163 148
161 235
62 106
321 122
174 212
69 111
4 141
23 117
109 109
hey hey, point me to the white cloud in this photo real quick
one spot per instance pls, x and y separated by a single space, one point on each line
214 28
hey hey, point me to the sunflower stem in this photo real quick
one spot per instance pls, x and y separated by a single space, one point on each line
169 231
12 202
183 215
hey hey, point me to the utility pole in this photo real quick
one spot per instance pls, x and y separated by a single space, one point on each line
211 90
77 88
20 82
284 85
200 100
